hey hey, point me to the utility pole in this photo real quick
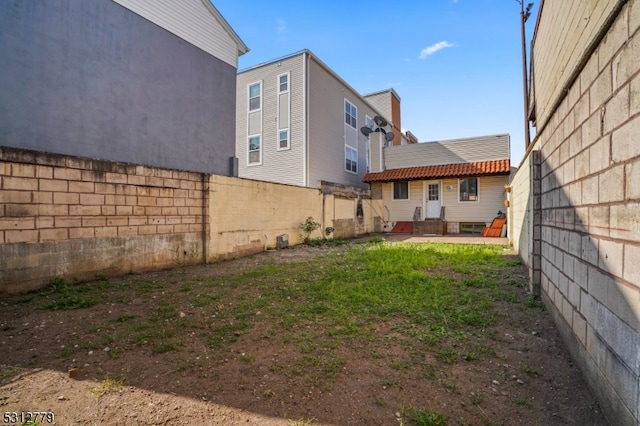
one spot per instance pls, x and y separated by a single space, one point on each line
524 15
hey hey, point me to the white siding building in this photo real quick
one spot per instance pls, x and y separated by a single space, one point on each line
299 123
457 184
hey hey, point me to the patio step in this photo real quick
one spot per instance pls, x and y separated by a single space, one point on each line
402 228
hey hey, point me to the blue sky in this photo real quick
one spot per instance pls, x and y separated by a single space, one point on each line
456 64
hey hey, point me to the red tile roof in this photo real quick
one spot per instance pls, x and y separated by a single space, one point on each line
482 168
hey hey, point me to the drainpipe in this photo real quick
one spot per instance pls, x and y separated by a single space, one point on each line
205 218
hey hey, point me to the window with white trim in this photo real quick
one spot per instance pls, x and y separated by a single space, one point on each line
283 83
255 150
401 190
350 114
367 122
468 189
283 139
351 159
255 96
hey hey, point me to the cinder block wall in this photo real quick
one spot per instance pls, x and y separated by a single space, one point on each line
589 191
72 217
248 215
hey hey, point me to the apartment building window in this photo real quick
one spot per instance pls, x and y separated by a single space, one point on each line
350 114
401 190
283 139
468 189
283 108
283 83
255 150
351 159
367 122
255 96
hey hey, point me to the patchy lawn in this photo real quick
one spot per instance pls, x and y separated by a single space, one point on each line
372 334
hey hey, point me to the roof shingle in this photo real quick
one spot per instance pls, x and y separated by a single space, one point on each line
481 168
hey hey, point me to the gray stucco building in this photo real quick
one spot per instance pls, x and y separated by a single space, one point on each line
121 80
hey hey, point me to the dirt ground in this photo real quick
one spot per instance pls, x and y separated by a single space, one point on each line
532 382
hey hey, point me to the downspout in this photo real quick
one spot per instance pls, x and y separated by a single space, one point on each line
205 218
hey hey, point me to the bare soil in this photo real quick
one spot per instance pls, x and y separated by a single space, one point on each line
258 380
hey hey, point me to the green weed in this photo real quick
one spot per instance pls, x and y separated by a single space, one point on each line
426 418
108 385
533 302
163 347
524 401
527 368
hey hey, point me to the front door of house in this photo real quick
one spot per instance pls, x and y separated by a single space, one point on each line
432 199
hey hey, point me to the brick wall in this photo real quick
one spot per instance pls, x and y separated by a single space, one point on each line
73 217
582 215
70 217
429 227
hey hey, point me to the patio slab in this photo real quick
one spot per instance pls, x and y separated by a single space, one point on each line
450 239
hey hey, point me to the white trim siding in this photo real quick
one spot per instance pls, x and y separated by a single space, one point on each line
254 124
283 108
318 133
452 151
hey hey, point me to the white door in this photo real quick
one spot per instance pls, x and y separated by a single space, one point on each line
432 199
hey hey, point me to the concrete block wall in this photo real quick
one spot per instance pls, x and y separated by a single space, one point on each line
588 202
247 215
71 217
74 217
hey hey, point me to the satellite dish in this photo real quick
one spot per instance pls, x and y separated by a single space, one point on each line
366 130
380 121
389 136
380 130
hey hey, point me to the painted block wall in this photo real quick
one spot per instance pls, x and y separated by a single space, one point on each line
73 217
522 216
588 200
248 215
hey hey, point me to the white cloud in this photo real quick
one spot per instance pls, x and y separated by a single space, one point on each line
281 25
281 29
434 48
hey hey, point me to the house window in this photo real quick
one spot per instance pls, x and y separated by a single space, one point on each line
401 190
351 159
434 192
255 96
350 114
283 82
468 189
255 150
368 122
283 139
